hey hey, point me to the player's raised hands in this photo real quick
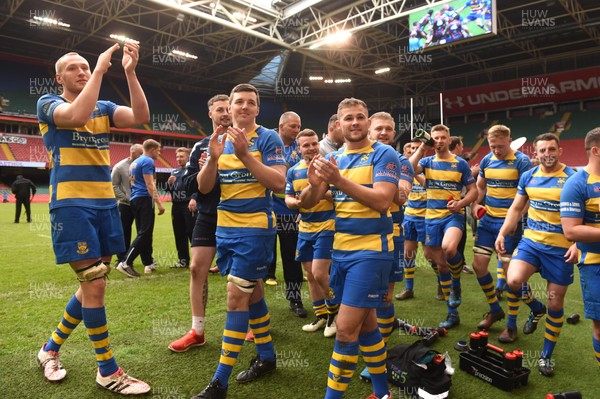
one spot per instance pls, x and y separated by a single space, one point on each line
104 59
327 170
216 145
313 178
130 56
239 140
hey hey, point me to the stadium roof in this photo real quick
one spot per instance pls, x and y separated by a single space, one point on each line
236 40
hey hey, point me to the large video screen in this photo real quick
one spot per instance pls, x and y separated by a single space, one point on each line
452 22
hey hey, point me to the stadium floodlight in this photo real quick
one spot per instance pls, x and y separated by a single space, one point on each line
382 70
315 78
123 39
50 21
338 81
298 7
185 54
338 37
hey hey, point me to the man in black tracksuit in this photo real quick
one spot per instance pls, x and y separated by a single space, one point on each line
22 188
182 218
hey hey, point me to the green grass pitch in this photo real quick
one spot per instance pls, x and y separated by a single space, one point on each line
145 314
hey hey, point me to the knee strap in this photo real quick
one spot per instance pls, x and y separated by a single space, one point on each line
93 272
483 251
505 258
246 286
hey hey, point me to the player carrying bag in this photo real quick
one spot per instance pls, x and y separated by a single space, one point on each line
419 371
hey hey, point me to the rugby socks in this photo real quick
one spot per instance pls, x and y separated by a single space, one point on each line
446 283
341 368
71 318
513 308
487 285
385 320
455 265
97 329
260 323
236 326
332 308
434 267
554 323
529 300
409 274
596 345
320 308
372 348
500 276
198 324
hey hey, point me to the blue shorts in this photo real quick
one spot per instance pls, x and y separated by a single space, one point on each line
487 232
550 262
314 246
473 16
246 257
435 229
397 270
85 233
589 276
362 283
414 229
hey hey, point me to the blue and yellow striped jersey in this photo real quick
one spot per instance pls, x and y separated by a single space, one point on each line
246 206
407 173
543 217
320 217
580 199
445 179
417 202
502 177
79 157
361 232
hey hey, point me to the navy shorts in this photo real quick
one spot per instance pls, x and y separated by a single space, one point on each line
314 246
589 276
246 257
414 229
84 233
362 283
435 230
549 262
487 233
204 231
397 270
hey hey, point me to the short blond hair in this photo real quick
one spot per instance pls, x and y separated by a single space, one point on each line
351 102
383 115
184 150
440 127
60 63
150 144
498 131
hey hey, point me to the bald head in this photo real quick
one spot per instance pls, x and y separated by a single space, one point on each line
135 151
286 116
60 63
289 127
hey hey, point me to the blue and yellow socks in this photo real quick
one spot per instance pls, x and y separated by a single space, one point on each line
341 368
260 323
72 316
97 329
236 326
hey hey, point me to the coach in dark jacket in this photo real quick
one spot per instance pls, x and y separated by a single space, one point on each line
23 188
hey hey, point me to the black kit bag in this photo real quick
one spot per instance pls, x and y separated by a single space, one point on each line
419 371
